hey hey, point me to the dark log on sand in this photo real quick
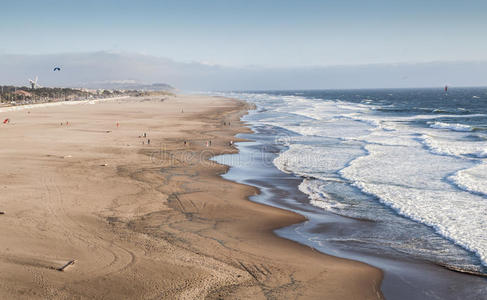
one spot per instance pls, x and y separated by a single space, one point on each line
69 263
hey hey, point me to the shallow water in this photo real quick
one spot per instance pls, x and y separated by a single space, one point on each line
405 277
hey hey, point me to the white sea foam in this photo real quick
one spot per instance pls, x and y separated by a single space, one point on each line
472 179
454 127
446 145
361 118
410 180
316 161
318 196
343 129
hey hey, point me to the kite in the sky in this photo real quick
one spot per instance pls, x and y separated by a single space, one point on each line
57 69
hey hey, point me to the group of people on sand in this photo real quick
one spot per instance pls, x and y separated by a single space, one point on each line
208 142
185 142
146 140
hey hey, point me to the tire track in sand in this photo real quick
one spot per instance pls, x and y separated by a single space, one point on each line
121 258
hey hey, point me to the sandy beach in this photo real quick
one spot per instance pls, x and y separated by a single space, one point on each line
91 210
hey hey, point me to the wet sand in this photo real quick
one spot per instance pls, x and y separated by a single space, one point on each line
147 221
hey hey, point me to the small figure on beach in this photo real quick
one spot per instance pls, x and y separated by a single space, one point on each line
148 141
207 144
231 143
185 143
118 124
145 134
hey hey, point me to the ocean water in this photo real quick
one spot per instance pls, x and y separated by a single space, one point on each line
413 161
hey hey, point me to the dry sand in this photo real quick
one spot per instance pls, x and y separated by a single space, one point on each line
147 221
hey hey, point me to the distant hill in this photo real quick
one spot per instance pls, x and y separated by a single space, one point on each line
128 85
162 86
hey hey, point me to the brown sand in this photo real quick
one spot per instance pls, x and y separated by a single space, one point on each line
147 221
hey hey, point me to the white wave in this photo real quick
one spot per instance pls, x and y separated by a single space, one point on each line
320 119
426 117
410 180
454 127
445 145
473 179
391 122
315 161
341 129
318 197
361 118
480 153
402 135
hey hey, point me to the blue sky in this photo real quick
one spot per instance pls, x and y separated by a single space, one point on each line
260 33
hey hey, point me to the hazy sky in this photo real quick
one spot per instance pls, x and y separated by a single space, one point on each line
246 44
239 33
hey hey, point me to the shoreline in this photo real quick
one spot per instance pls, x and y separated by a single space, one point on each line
142 221
400 271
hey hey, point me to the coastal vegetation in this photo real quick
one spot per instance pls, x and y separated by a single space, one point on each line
14 95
